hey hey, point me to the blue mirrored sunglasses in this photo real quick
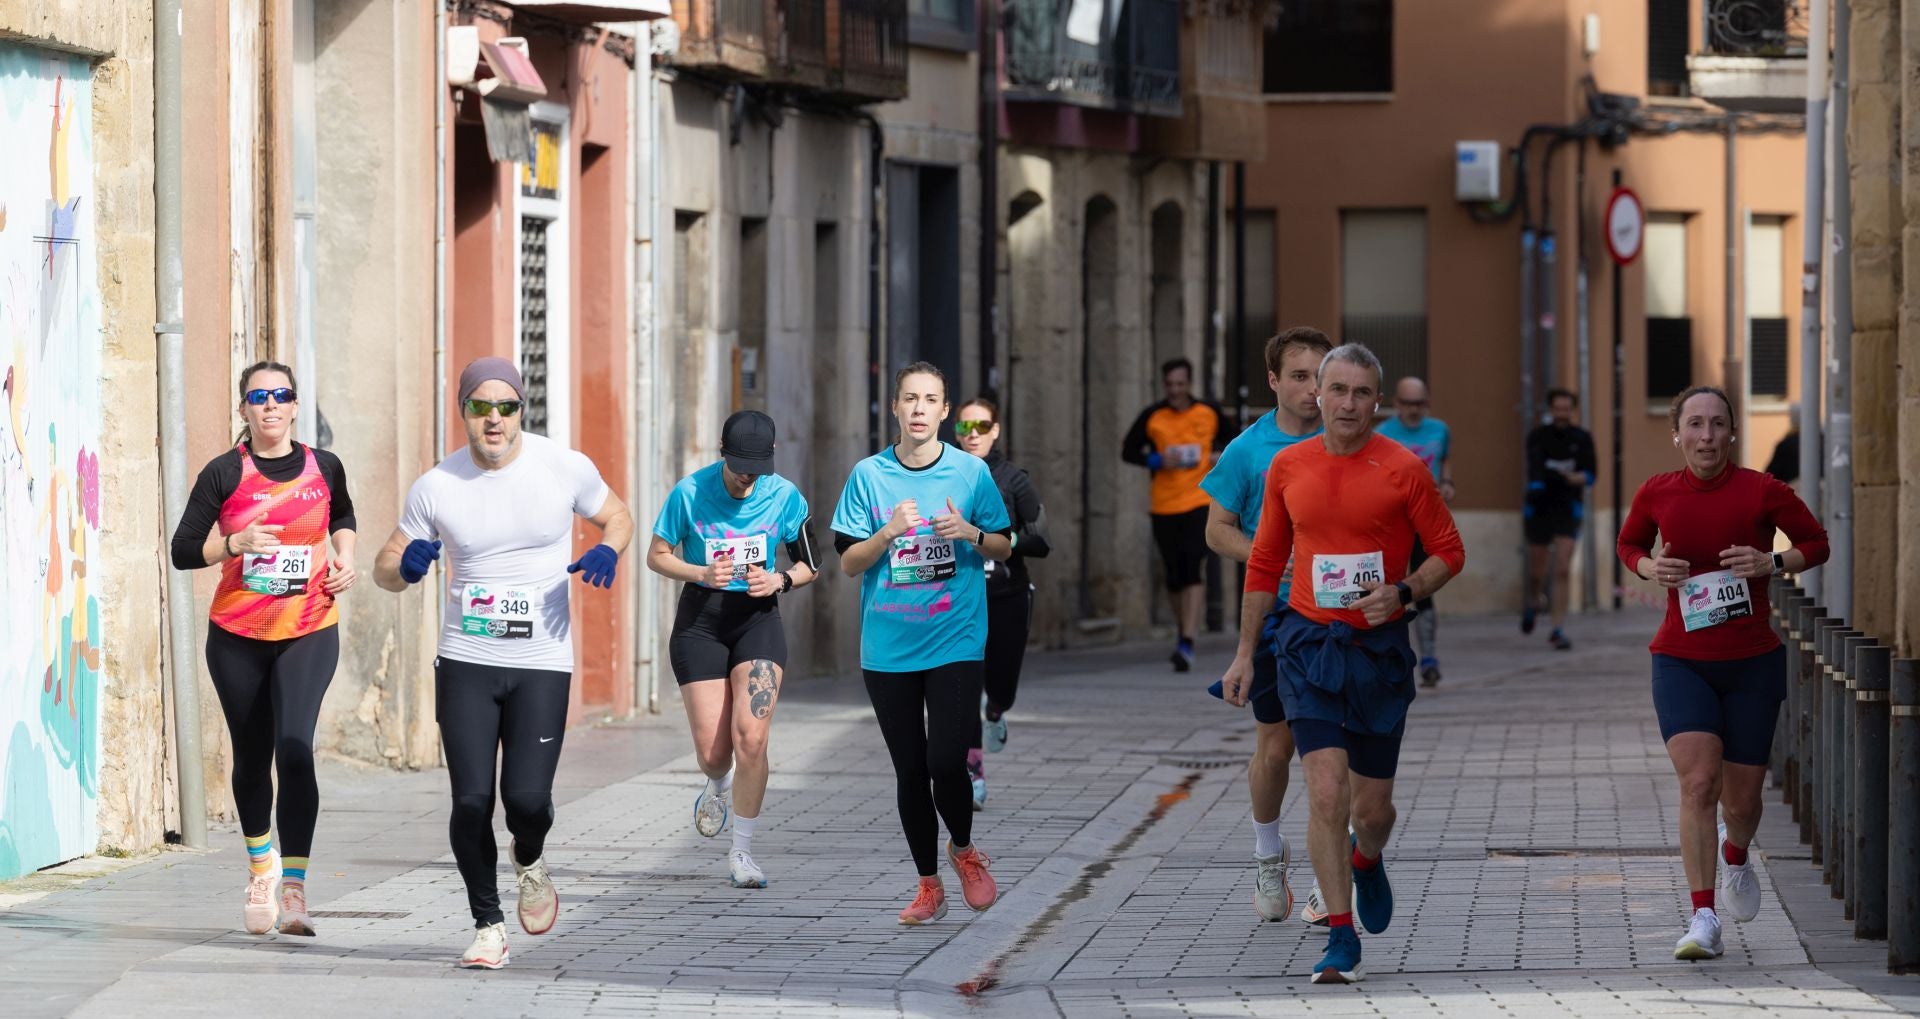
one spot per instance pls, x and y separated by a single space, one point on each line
258 397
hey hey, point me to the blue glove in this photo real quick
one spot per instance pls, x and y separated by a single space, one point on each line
1154 460
418 559
1218 690
597 566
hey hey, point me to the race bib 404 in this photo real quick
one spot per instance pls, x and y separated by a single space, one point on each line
283 571
1713 598
496 612
1337 578
921 559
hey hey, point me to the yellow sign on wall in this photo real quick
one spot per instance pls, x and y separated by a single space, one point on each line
541 178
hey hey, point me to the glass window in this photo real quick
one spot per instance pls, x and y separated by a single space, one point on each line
1383 287
1324 46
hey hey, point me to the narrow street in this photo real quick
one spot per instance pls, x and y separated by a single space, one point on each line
1533 874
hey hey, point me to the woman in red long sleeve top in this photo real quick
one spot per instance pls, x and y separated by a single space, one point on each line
1719 672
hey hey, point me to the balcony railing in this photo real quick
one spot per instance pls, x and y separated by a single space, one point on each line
1126 59
873 48
1756 28
850 49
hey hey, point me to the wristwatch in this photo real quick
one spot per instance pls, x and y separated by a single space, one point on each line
980 537
786 582
227 543
1406 593
1779 564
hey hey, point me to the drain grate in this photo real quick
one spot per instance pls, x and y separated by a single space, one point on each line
1549 852
1205 761
358 914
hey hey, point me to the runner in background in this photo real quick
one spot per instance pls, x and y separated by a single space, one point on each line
1177 439
1429 439
1009 590
1560 465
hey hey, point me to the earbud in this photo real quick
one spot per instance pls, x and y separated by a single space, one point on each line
1676 442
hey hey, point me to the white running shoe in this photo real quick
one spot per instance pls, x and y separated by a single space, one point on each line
489 948
711 810
1272 896
744 872
263 906
539 901
1702 940
1739 886
1314 913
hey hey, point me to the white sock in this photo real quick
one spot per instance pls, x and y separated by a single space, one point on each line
743 834
1266 838
721 784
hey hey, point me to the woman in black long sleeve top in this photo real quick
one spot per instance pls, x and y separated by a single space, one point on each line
266 511
1009 591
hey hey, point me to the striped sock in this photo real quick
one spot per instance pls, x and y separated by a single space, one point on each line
293 868
260 852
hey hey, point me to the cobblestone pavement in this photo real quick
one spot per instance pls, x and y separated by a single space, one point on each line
1533 871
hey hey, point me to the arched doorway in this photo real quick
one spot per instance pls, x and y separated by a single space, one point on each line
1100 369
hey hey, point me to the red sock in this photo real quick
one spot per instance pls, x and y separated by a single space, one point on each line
1361 862
1703 900
1340 920
1734 855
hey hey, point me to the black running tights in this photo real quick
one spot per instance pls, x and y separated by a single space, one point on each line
270 691
519 717
927 719
1009 619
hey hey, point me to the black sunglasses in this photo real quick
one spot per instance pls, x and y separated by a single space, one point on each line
482 408
258 397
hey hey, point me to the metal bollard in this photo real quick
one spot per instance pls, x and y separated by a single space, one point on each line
1903 798
1868 852
1821 714
1777 758
1789 735
1805 615
1844 863
1833 760
1813 687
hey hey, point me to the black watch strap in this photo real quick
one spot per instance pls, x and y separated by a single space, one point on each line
1779 563
786 581
1406 593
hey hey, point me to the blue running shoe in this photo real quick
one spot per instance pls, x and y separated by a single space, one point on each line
1372 895
993 731
1341 964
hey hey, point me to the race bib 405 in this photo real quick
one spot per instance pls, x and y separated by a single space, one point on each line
1337 578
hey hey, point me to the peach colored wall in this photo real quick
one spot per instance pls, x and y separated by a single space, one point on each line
1487 71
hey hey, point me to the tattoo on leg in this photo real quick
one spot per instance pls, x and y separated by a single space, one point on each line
763 681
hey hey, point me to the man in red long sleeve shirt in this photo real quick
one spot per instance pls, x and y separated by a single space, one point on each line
1347 506
1719 672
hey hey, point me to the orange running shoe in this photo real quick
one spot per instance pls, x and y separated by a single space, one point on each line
929 903
976 885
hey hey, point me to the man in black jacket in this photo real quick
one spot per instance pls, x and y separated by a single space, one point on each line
1560 466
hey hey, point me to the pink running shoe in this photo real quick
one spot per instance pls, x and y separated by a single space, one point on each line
293 910
929 903
976 885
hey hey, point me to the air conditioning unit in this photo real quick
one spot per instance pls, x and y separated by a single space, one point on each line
1476 171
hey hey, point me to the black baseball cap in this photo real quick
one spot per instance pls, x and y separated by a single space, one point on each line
746 442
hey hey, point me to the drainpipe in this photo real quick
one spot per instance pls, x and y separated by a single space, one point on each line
1239 372
1583 331
439 236
641 360
1733 368
170 303
876 369
1837 580
989 58
1811 233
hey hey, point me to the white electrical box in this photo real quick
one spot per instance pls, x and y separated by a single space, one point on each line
1476 171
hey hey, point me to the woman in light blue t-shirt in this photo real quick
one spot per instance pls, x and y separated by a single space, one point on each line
916 523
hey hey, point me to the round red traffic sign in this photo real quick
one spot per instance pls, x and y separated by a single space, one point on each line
1626 225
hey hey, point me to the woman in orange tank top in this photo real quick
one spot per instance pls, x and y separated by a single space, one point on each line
263 512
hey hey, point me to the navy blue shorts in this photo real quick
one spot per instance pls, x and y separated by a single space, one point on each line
1265 692
1371 755
1737 700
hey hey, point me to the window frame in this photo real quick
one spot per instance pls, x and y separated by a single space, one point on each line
959 34
1339 95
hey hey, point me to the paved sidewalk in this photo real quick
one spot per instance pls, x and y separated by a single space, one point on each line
1533 871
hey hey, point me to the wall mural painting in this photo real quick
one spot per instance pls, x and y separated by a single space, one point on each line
50 407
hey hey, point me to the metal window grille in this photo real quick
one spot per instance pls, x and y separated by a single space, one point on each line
533 322
1767 345
1399 341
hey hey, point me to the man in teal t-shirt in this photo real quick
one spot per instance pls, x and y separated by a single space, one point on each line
1429 439
1238 486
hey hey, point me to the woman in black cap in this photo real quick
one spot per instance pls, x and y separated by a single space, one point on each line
728 648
